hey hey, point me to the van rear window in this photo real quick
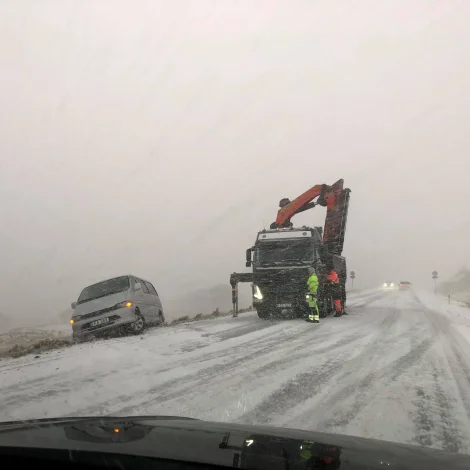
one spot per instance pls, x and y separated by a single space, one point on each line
102 289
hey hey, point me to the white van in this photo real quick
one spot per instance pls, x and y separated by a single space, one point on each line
127 301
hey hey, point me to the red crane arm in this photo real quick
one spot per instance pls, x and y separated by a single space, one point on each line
337 205
303 202
336 200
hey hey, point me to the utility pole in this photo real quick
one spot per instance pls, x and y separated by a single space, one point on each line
435 276
352 275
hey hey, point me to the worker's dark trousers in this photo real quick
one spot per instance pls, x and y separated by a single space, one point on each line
336 295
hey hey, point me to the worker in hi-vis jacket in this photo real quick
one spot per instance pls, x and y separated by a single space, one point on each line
312 283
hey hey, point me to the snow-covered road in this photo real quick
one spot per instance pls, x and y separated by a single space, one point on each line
396 368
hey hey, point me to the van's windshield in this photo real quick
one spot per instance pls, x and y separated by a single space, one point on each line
102 289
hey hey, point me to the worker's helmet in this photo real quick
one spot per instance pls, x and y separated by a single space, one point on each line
311 270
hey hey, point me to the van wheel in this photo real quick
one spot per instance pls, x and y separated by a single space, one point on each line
77 339
138 325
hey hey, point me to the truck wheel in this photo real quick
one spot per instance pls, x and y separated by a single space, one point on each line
302 313
323 307
263 311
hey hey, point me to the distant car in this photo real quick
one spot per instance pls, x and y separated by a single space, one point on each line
125 302
405 285
388 285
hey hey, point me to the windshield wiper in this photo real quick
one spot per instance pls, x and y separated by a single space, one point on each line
271 263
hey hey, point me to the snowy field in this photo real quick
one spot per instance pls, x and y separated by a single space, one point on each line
396 368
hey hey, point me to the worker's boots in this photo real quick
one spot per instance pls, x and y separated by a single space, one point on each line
338 308
312 319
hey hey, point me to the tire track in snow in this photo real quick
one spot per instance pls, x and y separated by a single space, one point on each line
452 404
199 381
309 384
238 352
316 403
434 419
451 342
269 342
243 355
362 390
268 339
448 435
215 372
423 421
363 301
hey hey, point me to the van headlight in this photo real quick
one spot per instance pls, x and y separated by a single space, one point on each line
126 303
257 293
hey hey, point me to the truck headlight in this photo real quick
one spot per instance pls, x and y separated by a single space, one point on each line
257 293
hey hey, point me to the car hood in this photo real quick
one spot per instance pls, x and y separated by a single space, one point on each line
231 445
100 304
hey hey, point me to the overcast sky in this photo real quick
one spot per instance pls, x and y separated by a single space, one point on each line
156 137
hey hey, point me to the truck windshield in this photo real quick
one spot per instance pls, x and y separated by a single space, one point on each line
102 289
281 251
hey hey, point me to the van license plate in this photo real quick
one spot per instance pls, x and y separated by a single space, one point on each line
284 305
99 322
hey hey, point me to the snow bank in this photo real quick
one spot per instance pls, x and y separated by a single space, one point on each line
458 286
19 340
457 313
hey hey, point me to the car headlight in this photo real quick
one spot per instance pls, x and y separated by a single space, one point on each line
257 293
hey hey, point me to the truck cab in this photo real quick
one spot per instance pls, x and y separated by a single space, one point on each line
282 255
281 258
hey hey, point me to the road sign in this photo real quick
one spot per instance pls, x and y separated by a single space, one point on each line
434 276
352 275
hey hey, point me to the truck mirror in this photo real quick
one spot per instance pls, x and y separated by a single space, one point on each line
248 258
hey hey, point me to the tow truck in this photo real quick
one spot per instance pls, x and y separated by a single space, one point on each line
282 254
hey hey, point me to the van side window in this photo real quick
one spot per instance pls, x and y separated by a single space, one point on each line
144 287
151 289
